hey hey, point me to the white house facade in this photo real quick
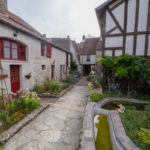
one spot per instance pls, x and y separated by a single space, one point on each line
125 27
26 56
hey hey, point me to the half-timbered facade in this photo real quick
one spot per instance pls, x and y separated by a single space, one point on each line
125 27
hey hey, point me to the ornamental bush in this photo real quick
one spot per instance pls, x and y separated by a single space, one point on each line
94 96
131 72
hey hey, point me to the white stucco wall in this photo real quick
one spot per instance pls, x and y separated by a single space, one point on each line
140 45
25 66
131 15
92 59
119 16
114 41
59 57
34 60
129 44
109 22
143 12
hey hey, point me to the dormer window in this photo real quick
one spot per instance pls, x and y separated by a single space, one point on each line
12 50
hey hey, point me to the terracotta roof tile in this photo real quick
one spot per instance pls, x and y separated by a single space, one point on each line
61 42
89 46
21 25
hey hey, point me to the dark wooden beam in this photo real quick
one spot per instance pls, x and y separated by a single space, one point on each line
117 5
115 20
136 27
125 25
147 35
111 30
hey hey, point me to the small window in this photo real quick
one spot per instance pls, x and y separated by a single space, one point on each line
22 52
88 58
43 49
7 49
14 50
43 67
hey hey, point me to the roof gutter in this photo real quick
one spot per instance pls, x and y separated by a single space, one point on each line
32 35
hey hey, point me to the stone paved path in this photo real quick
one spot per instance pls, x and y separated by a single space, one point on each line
58 127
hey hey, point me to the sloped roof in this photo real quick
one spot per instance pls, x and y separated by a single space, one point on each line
19 24
61 42
99 45
90 46
103 5
76 47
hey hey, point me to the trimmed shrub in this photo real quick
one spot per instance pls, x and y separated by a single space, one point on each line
94 96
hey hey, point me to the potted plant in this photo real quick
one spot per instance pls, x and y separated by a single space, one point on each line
28 76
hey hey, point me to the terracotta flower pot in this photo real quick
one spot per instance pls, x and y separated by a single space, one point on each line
3 76
28 76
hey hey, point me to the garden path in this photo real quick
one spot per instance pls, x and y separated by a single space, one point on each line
58 127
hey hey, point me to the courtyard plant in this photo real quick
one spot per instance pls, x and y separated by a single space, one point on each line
14 111
94 96
127 74
137 126
51 87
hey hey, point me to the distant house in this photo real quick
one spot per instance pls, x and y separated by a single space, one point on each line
67 44
26 56
88 55
125 27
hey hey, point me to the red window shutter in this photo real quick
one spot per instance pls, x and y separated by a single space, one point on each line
49 50
66 59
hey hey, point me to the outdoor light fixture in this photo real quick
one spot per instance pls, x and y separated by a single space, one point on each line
16 33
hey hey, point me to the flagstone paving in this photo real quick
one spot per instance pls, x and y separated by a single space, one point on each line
58 127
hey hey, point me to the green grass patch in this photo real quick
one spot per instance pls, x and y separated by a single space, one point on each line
133 121
110 94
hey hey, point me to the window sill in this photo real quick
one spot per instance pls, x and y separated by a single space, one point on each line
15 61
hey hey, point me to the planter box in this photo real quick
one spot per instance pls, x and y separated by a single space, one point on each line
3 76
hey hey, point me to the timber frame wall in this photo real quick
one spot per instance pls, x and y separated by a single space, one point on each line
118 31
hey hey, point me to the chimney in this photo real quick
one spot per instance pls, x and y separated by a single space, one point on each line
44 35
3 8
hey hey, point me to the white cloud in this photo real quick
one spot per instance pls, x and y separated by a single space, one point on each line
59 18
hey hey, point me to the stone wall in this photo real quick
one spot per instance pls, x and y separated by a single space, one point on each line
3 7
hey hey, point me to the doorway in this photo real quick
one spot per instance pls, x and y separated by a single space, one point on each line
15 78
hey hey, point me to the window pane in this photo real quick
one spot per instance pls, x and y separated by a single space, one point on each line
14 45
14 53
22 54
22 47
6 43
6 52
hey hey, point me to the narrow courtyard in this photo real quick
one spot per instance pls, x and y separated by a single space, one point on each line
58 127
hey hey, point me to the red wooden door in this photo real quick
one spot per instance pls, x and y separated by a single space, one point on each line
52 72
15 78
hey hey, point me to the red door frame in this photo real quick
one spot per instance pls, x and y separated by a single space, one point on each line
52 72
15 78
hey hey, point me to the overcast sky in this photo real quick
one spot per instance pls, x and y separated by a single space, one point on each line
59 18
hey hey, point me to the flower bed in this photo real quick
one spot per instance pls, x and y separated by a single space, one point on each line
16 110
137 127
54 88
